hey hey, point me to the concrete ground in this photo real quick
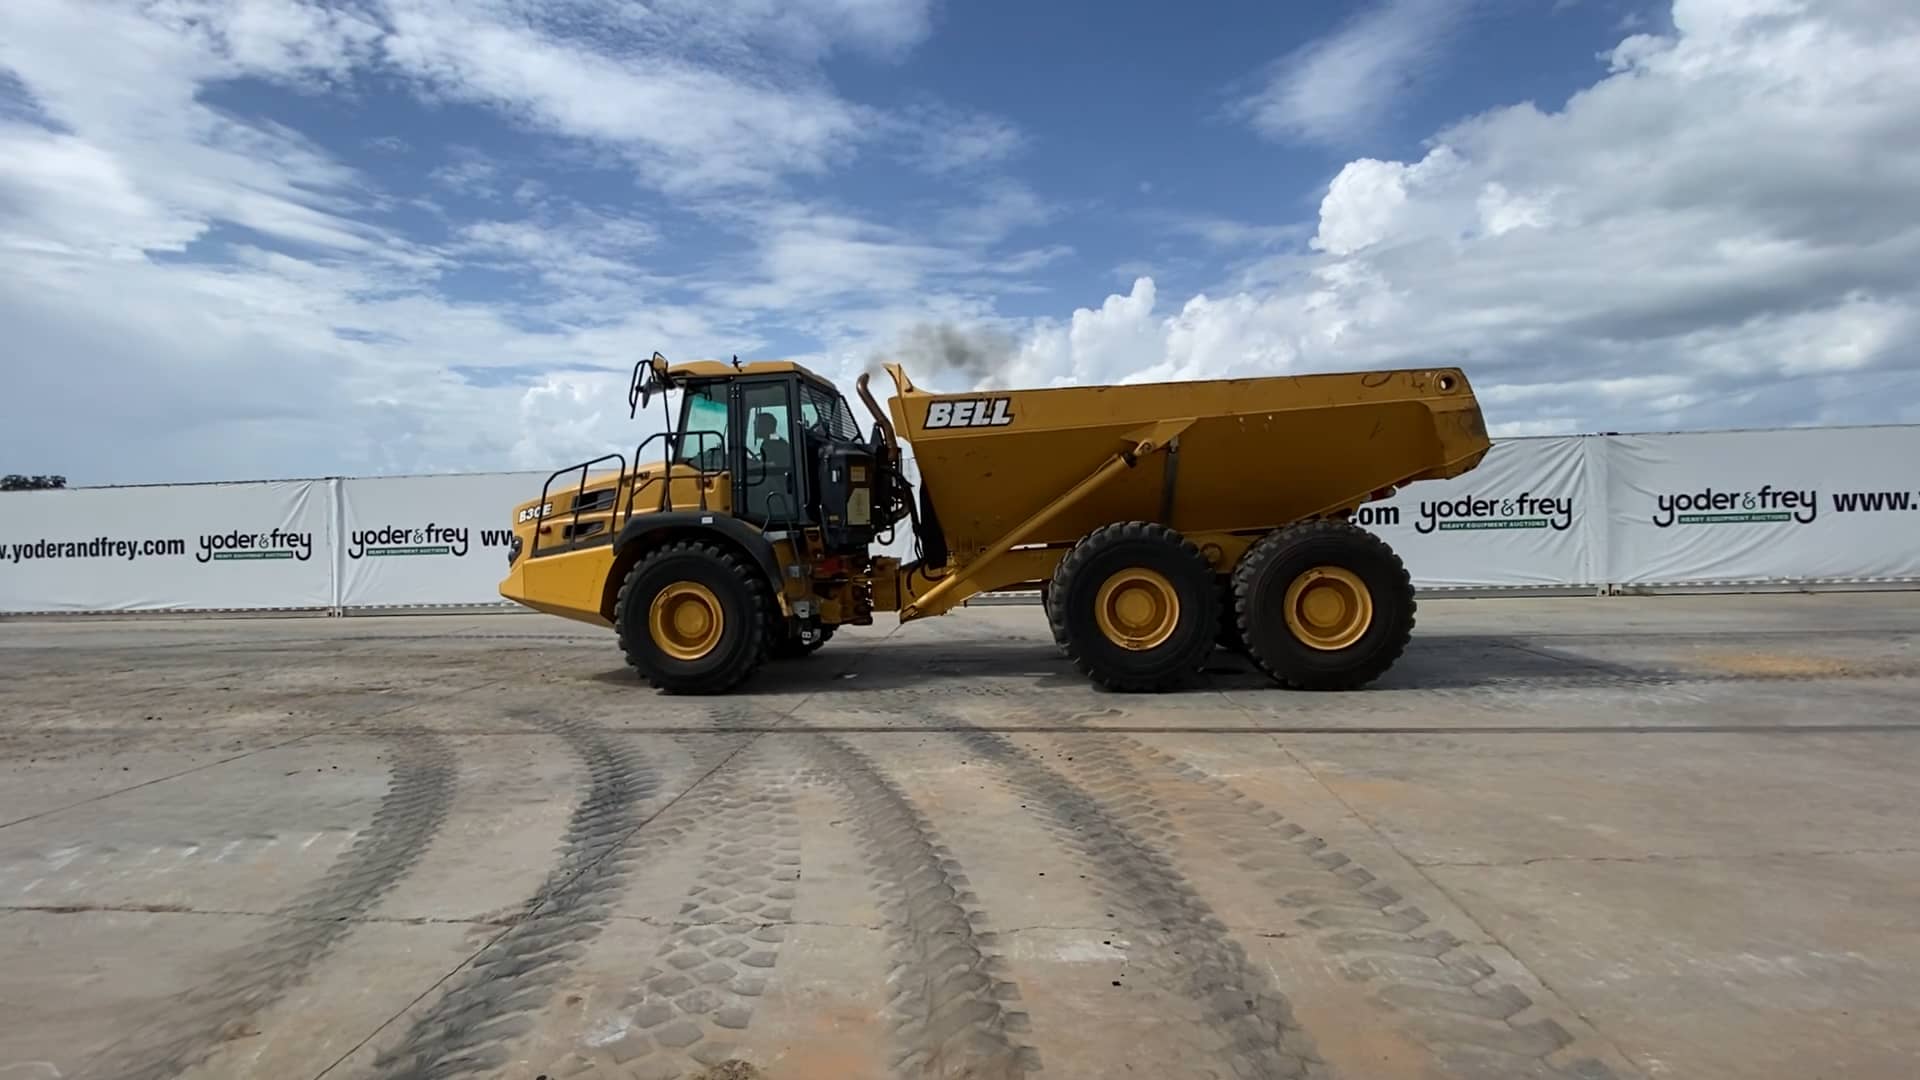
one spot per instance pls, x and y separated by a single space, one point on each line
1580 838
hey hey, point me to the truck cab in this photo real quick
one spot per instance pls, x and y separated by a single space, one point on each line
788 442
759 465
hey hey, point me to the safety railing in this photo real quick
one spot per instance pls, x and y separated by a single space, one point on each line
668 441
618 512
585 469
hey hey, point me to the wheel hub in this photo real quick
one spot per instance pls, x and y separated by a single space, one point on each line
685 620
1137 609
1328 608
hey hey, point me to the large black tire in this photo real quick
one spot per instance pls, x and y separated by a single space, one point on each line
1228 638
1074 594
1046 609
1270 567
743 601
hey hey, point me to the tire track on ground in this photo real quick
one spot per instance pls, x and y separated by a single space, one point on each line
419 793
1445 992
686 1011
947 981
1249 1026
467 1027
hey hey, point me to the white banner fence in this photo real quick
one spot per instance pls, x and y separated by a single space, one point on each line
428 541
1797 507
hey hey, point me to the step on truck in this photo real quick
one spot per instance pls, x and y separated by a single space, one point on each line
1158 521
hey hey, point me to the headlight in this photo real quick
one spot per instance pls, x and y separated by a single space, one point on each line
513 550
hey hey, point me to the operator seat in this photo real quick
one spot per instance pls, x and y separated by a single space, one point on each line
772 492
774 450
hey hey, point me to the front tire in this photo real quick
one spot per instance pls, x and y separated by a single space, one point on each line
1323 605
692 618
1134 606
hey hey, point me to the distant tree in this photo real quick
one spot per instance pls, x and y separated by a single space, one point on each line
16 482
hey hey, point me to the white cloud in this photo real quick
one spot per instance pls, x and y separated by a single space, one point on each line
469 173
810 255
1365 203
571 417
78 199
290 39
1501 211
812 261
1720 230
1226 233
695 94
803 29
135 142
217 292
685 127
1000 210
954 141
1332 88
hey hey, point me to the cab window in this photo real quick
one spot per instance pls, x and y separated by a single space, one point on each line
768 493
825 413
766 426
703 427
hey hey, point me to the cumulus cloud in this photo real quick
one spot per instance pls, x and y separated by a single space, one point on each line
231 300
1719 230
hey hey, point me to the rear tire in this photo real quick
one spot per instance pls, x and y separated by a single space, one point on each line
692 618
1134 606
1323 605
1228 638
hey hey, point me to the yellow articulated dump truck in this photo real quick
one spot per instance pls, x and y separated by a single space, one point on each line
1159 521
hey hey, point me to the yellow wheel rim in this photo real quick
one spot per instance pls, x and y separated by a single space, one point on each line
1137 608
685 620
1329 608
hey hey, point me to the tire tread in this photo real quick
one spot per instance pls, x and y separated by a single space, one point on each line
1090 547
721 679
1276 544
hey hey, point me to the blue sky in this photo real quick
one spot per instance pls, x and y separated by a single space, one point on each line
282 237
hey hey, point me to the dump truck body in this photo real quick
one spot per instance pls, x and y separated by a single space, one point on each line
1260 452
1144 509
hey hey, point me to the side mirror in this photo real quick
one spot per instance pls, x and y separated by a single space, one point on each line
643 386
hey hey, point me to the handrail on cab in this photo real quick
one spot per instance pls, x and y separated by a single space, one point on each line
584 468
701 438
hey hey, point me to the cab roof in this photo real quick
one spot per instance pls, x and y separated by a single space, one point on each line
711 369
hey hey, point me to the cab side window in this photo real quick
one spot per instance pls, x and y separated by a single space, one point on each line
769 491
825 414
703 428
766 430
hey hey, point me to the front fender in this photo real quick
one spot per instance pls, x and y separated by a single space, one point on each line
645 527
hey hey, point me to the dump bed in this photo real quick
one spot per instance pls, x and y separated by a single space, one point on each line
1260 453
